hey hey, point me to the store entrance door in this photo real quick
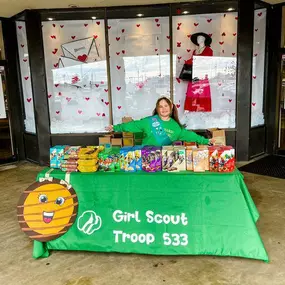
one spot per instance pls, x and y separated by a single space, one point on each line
7 152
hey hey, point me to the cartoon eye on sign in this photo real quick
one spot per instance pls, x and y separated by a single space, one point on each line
89 222
46 210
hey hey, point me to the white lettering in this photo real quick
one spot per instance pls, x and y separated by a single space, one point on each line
166 219
123 237
120 216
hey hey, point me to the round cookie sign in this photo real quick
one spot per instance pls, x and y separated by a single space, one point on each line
47 209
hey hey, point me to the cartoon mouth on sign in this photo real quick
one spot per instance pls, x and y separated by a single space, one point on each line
46 210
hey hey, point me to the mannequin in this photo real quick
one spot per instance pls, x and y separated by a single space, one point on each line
198 95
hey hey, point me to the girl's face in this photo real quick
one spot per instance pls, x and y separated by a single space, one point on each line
200 40
163 109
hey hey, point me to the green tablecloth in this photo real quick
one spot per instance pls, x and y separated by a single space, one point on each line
183 213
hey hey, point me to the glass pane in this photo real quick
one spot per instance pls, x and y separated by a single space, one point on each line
140 65
26 77
205 69
76 70
258 65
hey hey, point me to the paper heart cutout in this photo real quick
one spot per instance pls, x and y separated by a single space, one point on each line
220 84
119 88
179 24
118 38
168 50
233 53
118 67
98 23
138 25
253 104
106 90
26 77
55 51
57 112
49 96
97 85
79 111
210 35
29 99
178 80
255 54
178 44
20 27
178 11
179 57
234 34
98 114
156 20
168 37
87 98
155 49
59 93
55 65
73 37
123 51
85 25
61 26
82 57
236 18
22 45
53 25
102 82
189 36
259 14
223 34
103 115
254 77
118 53
74 79
123 30
188 50
209 20
158 25
221 43
53 37
56 85
119 107
102 100
109 27
68 99
24 60
256 30
223 51
107 103
177 106
95 36
230 100
196 24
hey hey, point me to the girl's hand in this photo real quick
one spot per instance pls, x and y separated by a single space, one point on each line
212 141
109 128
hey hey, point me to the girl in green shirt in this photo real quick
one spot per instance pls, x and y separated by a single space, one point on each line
162 128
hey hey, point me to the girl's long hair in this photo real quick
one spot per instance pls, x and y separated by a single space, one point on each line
174 111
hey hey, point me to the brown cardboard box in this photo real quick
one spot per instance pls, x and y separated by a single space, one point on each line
219 136
128 141
128 135
116 142
104 140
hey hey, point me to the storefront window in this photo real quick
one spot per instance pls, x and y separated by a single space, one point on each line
139 64
204 51
2 50
76 71
26 77
258 65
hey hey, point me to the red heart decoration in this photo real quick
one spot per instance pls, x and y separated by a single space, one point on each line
158 25
119 88
254 77
53 25
73 37
56 85
119 107
196 24
256 30
109 27
156 20
123 30
178 28
85 25
55 51
26 78
102 82
233 53
220 84
102 100
225 15
188 50
223 34
221 43
20 27
87 98
24 60
230 100
138 25
178 44
179 24
178 80
168 37
259 14
118 53
253 104
209 20
255 54
59 93
106 90
49 96
189 36
98 23
118 67
178 11
223 51
79 111
57 112
55 65
210 35
97 85
106 103
98 114
177 106
61 26
155 49
29 99
82 57
22 46
123 51
53 37
179 57
117 38
95 36
68 99
103 115
234 34
236 18
168 50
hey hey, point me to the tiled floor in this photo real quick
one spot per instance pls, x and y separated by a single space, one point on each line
86 268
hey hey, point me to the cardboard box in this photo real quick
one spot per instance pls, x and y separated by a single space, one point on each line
189 157
128 141
128 135
219 136
104 140
116 142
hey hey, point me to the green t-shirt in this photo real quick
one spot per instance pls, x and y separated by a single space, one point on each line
171 129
